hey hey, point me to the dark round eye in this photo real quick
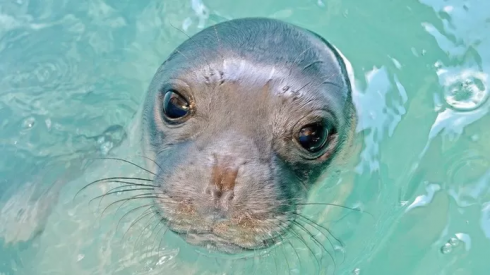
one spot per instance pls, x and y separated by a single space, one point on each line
175 106
313 137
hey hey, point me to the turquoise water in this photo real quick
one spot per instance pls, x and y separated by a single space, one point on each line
73 75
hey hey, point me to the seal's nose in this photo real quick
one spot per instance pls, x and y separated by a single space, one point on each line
223 179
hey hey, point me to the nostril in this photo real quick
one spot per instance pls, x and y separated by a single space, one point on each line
231 196
213 192
217 193
208 191
224 175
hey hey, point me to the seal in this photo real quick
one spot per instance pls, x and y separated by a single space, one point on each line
238 124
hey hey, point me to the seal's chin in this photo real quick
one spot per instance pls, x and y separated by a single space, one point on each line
214 242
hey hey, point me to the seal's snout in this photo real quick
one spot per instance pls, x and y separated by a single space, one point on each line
223 178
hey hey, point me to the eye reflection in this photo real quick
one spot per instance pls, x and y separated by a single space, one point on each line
313 137
175 106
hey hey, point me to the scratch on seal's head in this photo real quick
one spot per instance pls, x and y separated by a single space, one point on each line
241 120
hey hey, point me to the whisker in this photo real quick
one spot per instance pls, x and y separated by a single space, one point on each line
119 189
254 268
317 242
145 157
297 59
148 206
163 150
129 183
307 246
275 263
292 203
113 179
179 30
158 222
336 205
163 235
343 217
114 191
326 237
295 252
315 224
311 64
314 238
284 254
219 44
318 225
284 228
125 200
142 216
305 86
188 59
129 162
145 228
182 31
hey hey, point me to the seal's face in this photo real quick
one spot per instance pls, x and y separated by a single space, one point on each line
237 140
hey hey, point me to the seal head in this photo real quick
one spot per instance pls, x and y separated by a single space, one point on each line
239 122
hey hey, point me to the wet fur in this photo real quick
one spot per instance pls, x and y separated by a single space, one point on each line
253 82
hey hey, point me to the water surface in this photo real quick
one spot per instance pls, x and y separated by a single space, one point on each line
73 75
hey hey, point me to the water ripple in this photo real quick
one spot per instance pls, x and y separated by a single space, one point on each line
380 108
43 67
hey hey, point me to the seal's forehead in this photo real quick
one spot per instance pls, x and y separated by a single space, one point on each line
235 69
281 79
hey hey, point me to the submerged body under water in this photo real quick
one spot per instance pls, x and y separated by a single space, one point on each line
73 75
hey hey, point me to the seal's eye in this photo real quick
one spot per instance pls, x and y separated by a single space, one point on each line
313 137
174 105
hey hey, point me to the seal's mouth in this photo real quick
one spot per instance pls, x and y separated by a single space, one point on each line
214 242
224 237
235 226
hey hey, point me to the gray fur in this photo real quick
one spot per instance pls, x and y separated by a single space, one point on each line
254 82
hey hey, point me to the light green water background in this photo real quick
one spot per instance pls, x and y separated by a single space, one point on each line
73 75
